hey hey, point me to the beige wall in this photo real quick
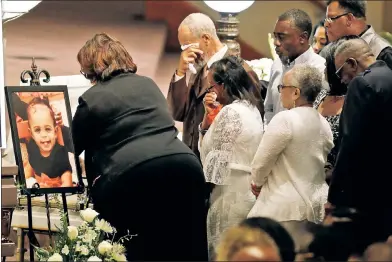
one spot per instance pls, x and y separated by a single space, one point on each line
387 22
260 18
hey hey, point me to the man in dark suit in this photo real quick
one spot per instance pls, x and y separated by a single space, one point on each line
362 177
201 48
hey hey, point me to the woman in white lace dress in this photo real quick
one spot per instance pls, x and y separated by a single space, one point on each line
228 146
288 168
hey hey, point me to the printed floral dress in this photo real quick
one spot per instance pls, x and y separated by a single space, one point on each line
334 123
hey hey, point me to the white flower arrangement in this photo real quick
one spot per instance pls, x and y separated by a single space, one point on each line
85 242
262 67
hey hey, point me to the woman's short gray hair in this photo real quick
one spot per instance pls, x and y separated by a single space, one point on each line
199 24
308 79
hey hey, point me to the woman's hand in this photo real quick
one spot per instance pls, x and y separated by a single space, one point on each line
209 102
328 208
57 115
255 189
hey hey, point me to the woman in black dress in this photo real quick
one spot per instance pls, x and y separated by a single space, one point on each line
142 178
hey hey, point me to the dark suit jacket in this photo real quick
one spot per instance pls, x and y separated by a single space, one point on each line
122 122
362 177
186 103
386 56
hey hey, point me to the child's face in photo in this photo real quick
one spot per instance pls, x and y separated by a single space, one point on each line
42 128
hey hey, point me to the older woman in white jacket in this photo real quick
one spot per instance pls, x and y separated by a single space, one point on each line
288 168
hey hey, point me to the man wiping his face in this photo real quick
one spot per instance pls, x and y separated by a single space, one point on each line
201 47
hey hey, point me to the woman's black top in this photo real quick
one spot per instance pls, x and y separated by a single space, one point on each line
123 122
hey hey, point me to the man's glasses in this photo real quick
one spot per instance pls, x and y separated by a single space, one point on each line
340 69
280 87
329 20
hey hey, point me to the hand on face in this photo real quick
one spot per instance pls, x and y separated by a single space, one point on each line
209 102
189 55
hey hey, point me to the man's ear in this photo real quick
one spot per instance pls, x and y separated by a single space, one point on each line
304 36
350 19
353 63
206 37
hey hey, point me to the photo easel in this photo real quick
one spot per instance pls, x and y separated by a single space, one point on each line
30 232
36 191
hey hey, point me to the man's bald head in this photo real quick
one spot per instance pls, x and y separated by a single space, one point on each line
354 48
352 57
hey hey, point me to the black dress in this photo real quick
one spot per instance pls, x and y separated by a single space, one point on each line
143 178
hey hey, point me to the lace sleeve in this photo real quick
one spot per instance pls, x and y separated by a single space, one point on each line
225 130
273 143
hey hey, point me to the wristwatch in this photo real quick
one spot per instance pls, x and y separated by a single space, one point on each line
202 131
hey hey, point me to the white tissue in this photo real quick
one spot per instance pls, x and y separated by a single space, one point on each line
216 103
191 67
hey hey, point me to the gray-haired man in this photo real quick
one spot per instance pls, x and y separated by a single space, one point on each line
202 47
362 175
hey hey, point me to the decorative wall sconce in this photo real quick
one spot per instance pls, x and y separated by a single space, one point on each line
228 23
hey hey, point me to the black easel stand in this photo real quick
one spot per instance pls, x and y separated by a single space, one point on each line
34 74
32 239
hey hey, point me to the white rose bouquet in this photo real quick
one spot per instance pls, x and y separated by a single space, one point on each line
85 242
262 67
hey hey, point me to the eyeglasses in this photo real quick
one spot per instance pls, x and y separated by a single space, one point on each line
280 87
338 72
211 87
329 20
84 74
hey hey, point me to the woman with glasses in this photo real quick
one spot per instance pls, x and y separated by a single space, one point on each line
141 177
228 144
288 168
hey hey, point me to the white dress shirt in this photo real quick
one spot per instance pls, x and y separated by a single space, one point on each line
289 165
216 57
272 103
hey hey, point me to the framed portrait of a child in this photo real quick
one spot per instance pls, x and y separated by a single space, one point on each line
41 118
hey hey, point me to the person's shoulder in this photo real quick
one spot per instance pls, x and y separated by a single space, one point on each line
379 70
316 60
230 111
283 116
